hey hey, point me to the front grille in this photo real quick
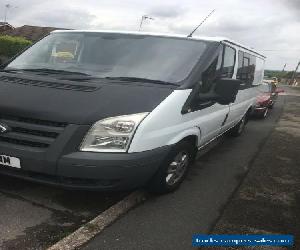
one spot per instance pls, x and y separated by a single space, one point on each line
56 85
24 143
30 132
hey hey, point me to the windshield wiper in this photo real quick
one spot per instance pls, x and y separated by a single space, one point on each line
140 79
65 75
10 70
79 78
54 71
44 70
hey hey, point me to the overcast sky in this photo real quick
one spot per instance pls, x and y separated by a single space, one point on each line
270 26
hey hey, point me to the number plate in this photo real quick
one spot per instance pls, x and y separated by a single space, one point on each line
10 161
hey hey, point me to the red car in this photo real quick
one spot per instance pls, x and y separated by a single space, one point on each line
268 93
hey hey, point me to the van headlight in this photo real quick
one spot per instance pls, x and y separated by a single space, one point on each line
112 134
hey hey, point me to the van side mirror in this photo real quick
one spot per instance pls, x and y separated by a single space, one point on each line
226 90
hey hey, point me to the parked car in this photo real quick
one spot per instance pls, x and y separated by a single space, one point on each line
116 110
267 95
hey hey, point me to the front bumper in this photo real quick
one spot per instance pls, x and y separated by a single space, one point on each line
98 171
57 161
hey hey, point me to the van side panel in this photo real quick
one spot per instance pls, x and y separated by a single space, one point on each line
166 125
244 100
163 124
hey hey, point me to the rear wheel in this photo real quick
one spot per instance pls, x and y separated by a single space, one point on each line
174 169
238 129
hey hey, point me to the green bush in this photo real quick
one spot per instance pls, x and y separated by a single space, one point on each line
10 46
278 73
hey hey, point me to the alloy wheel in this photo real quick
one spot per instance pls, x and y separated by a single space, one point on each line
177 168
242 125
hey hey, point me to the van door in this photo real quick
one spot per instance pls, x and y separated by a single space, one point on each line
209 120
213 116
246 95
228 67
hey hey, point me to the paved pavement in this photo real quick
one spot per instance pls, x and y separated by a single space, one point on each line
33 216
268 201
169 221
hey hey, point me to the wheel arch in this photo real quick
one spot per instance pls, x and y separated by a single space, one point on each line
249 112
192 135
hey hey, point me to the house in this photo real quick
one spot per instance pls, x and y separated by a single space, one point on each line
32 33
4 27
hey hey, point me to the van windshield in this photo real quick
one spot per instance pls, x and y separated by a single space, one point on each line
109 55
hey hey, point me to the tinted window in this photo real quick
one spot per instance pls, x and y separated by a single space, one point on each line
246 68
240 61
228 62
202 98
115 55
211 73
222 65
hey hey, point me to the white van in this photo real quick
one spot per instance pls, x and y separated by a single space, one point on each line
118 110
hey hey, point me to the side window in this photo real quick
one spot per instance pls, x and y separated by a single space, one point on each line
240 62
252 66
246 68
228 62
222 65
259 71
246 63
211 73
241 72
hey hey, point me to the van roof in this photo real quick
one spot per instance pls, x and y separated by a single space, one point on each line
205 38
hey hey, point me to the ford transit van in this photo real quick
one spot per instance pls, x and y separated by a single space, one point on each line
118 110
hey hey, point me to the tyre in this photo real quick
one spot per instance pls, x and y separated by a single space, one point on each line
238 129
174 169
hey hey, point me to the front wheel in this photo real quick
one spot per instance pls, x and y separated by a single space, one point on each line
174 169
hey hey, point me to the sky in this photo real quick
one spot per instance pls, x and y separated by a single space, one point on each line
269 26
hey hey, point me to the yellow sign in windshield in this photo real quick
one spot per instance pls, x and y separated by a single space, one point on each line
64 55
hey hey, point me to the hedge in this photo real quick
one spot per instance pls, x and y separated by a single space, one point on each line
10 46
